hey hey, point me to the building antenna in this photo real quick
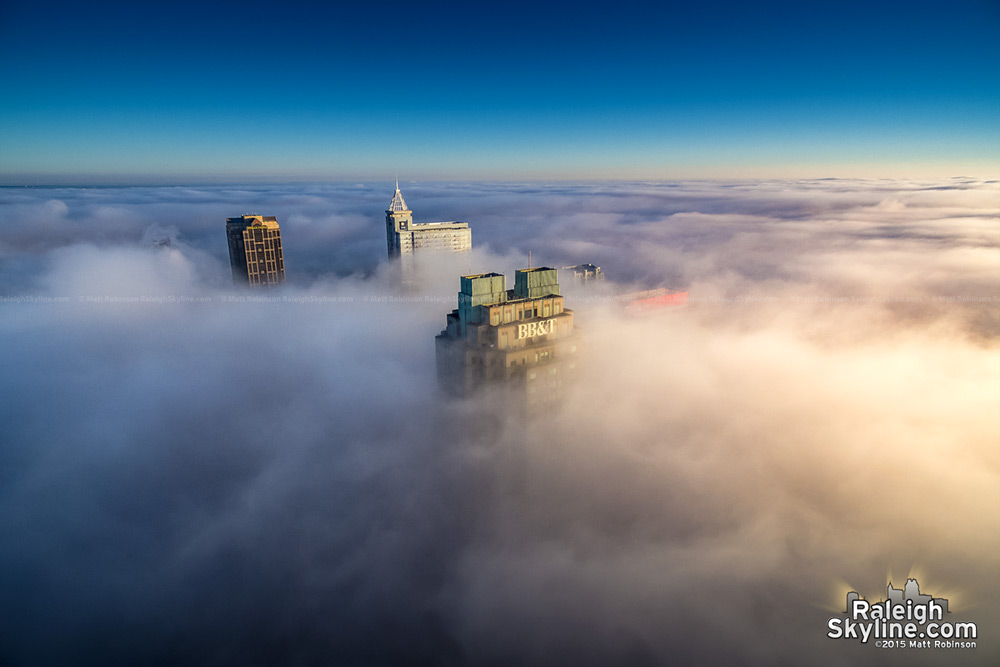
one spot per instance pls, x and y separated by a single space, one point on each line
529 259
397 181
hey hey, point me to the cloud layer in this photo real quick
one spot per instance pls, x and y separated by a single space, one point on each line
191 477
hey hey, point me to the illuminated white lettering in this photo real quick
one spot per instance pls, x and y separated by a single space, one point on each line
530 329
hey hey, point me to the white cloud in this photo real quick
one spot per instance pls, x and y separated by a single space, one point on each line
284 479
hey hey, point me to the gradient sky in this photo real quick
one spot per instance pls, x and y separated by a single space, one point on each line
223 91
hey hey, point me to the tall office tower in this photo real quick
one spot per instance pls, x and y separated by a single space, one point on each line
520 341
407 240
255 250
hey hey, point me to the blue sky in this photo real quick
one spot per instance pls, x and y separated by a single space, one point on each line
118 92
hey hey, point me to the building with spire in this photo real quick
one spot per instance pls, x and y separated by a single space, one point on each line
519 342
406 240
255 253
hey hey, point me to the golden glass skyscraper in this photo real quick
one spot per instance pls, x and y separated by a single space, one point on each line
255 250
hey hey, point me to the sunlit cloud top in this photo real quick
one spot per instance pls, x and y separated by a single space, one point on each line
210 479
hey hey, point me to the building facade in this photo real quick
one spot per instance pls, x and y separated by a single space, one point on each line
406 240
584 273
520 343
255 250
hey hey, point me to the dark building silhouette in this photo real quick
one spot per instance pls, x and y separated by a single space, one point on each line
585 273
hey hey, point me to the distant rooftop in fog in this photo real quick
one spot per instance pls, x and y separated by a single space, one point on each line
406 240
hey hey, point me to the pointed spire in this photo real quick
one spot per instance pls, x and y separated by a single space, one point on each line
397 204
